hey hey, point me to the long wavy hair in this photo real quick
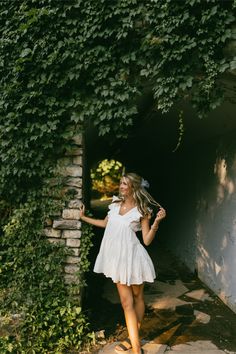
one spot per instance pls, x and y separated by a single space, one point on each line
142 198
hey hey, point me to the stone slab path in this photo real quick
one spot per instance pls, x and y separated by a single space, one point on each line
182 315
198 347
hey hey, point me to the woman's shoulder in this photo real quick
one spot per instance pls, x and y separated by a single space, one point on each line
114 202
115 198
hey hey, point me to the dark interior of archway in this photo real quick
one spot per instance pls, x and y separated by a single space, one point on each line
173 175
149 150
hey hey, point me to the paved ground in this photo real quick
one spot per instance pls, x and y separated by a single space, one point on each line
198 347
182 315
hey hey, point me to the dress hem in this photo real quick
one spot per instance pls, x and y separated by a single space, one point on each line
128 284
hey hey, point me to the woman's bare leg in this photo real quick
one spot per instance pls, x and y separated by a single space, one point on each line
127 302
139 304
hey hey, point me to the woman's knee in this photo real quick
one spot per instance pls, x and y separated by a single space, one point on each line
127 303
138 294
126 296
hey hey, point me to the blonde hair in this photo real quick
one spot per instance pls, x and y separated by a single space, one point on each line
142 198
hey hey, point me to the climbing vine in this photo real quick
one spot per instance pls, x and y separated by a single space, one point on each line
73 63
49 316
86 244
64 62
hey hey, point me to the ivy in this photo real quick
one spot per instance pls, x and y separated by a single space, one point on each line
32 283
188 39
64 62
73 61
86 244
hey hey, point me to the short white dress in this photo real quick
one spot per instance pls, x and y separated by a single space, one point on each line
121 256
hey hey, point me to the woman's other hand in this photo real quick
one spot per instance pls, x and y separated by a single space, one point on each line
81 211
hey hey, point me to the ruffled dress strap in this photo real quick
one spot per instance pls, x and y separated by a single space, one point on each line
114 203
115 199
135 219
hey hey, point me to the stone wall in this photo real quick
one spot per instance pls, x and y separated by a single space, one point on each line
65 228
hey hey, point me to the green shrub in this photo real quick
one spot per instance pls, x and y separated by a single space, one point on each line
33 286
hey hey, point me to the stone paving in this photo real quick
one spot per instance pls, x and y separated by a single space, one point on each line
182 316
198 347
164 296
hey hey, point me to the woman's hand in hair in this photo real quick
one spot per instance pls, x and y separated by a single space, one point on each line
161 214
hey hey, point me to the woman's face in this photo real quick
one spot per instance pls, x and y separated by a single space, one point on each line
125 187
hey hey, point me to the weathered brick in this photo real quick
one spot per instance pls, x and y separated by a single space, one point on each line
72 260
72 170
72 214
75 204
74 182
71 234
67 224
77 160
71 242
50 232
71 269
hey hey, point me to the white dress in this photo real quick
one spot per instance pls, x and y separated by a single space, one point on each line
121 256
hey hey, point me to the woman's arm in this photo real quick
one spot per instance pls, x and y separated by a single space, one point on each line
92 221
150 232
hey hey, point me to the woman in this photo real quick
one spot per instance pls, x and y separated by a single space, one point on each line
122 257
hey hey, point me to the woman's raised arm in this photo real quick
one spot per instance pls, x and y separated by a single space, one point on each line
92 221
150 232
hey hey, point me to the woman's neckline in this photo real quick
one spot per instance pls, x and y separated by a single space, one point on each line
126 211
